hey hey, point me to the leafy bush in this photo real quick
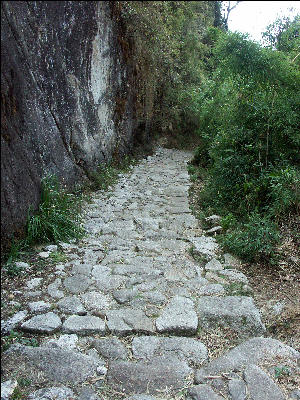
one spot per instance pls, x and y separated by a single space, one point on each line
252 240
249 127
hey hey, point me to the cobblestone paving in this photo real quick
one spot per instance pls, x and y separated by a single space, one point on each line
121 319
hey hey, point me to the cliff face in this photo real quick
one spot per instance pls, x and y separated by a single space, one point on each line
66 103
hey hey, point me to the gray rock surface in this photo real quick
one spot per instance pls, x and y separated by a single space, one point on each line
237 389
203 392
13 322
140 377
237 312
39 306
7 389
260 385
111 348
58 365
205 246
179 317
127 320
188 349
77 283
252 351
43 323
84 325
71 305
52 393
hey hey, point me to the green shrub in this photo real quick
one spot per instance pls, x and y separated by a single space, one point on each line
57 218
252 240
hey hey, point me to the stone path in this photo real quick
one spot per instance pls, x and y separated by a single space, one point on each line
121 319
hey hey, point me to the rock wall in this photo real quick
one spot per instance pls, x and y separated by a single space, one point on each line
66 104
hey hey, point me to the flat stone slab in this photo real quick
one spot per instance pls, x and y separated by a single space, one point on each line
84 325
203 392
58 365
232 275
213 289
110 282
71 305
214 265
39 306
237 389
205 246
140 377
11 323
111 348
96 301
52 393
128 320
77 283
252 351
53 289
179 317
187 349
44 323
236 312
260 385
64 342
7 389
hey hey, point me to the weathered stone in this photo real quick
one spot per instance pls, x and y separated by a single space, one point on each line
187 349
52 393
236 312
141 377
11 323
58 365
237 389
141 397
253 351
77 283
44 254
214 265
81 269
213 289
230 261
87 393
39 306
71 305
215 230
295 394
111 348
33 283
233 275
213 219
36 293
178 317
96 301
43 323
110 282
203 392
84 325
7 389
53 289
205 246
260 385
128 320
51 248
64 342
125 295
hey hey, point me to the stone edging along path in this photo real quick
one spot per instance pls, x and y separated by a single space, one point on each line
122 318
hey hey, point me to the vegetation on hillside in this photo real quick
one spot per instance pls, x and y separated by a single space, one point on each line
248 120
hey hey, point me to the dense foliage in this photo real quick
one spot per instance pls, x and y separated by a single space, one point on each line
248 119
164 44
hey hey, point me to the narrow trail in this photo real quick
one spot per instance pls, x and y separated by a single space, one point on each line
124 316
